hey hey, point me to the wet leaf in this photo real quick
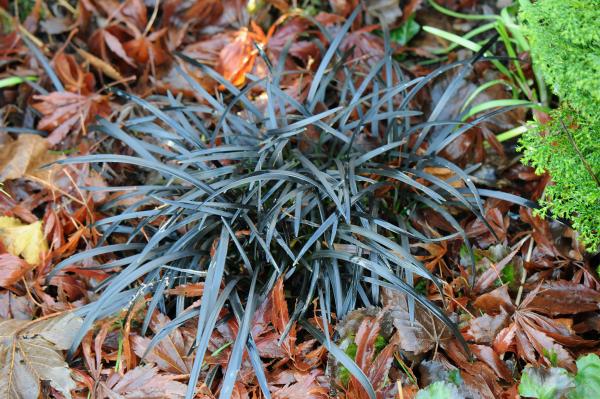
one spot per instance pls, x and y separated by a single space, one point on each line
491 358
26 240
564 297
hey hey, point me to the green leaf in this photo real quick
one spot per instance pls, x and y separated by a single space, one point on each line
405 32
587 380
439 390
543 383
15 80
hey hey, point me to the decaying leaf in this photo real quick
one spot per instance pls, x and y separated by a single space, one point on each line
26 240
484 329
143 382
171 353
24 156
12 268
30 354
65 111
306 387
564 297
418 336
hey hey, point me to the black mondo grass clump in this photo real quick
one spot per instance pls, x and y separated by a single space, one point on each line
246 195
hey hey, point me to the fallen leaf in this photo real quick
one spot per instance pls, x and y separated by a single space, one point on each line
24 156
237 58
171 353
12 268
15 307
491 358
146 49
29 354
26 240
143 382
74 78
564 297
306 386
484 329
495 302
415 336
65 112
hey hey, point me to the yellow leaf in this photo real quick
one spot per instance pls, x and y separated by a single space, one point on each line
26 240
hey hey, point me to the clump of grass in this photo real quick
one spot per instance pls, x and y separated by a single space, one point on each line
249 193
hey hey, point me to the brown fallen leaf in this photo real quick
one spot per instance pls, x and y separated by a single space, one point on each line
171 353
415 337
12 268
24 156
107 42
30 354
484 329
491 358
65 112
143 382
564 297
495 302
305 387
144 49
237 58
15 307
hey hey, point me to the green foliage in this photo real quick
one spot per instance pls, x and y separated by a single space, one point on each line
564 36
540 383
380 344
565 42
439 390
344 373
556 382
405 32
587 380
575 193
